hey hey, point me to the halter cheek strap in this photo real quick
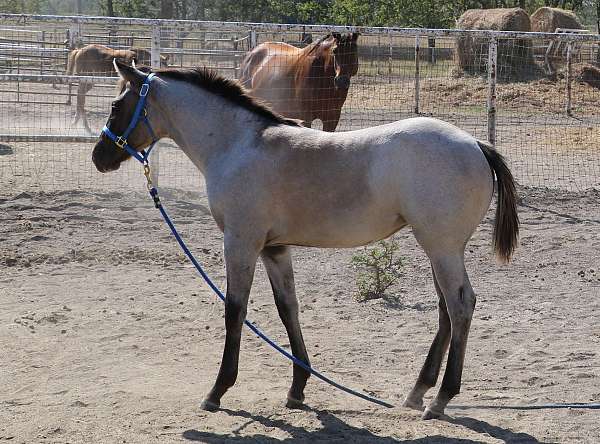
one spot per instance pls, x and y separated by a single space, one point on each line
139 113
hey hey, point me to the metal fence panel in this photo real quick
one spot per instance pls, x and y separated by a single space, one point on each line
533 102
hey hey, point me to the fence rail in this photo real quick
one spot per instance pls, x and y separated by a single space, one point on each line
494 84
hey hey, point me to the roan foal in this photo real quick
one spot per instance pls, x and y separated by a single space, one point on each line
272 183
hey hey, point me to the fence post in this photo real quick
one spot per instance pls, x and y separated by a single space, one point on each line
417 72
74 35
491 100
390 61
569 78
252 39
42 40
155 63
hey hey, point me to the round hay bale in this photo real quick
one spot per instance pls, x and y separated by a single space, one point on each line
547 19
514 55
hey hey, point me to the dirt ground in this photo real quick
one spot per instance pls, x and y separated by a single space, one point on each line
107 334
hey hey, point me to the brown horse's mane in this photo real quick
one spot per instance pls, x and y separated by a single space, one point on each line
315 49
230 90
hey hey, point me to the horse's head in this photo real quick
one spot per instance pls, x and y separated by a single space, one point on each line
144 57
107 155
345 55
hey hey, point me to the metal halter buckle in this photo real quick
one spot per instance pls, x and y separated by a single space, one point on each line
144 90
120 142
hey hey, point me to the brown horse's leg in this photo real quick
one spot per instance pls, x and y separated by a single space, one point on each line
460 301
278 263
240 263
83 88
85 120
431 368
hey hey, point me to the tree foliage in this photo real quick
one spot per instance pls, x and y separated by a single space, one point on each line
400 13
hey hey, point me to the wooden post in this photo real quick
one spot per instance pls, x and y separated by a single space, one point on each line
417 72
569 79
491 100
253 41
390 61
155 64
74 35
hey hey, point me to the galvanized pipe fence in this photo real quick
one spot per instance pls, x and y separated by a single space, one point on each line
544 125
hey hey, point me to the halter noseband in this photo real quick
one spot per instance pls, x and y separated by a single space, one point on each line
121 141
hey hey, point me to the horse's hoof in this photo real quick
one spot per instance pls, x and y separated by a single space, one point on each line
412 404
210 406
430 414
293 403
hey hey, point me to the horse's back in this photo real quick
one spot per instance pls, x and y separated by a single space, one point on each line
267 60
421 171
96 59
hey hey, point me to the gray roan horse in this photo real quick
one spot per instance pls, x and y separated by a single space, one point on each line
272 183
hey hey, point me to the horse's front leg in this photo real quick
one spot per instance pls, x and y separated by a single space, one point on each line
278 263
240 261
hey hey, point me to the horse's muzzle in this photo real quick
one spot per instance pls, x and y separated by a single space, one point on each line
106 157
342 82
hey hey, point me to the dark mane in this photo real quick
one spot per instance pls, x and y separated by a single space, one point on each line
230 90
314 45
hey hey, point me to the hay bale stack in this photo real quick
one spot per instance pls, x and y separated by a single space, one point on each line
514 56
547 19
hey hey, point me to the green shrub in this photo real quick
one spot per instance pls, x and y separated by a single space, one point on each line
378 269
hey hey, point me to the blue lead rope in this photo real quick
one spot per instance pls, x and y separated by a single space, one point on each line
249 324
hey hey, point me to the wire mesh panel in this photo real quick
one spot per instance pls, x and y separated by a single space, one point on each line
538 102
547 121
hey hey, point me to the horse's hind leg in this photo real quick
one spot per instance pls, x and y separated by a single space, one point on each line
460 298
240 261
431 368
83 88
278 263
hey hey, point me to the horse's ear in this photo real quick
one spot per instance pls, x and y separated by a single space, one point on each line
336 35
355 36
129 73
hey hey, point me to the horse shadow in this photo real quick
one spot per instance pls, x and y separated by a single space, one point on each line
336 430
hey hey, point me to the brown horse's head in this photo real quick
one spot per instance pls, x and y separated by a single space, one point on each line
345 56
107 156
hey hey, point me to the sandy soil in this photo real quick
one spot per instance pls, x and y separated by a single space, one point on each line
107 335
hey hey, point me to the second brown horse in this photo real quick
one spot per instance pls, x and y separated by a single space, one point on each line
307 84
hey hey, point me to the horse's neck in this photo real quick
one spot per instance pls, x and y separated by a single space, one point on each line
203 124
314 65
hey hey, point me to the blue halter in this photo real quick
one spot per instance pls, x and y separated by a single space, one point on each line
121 141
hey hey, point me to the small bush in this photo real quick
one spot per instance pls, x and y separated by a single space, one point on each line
378 269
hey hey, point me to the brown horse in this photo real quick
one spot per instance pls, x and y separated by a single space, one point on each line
97 60
307 84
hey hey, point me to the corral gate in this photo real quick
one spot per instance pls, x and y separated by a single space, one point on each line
492 84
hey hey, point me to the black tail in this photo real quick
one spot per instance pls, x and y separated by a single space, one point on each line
506 227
